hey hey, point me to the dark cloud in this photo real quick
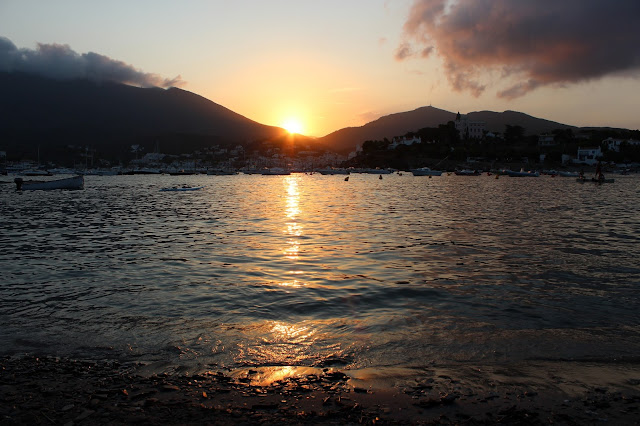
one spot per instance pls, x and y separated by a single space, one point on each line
532 43
61 62
403 52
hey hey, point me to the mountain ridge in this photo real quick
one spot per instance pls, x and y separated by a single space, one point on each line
43 111
398 124
37 110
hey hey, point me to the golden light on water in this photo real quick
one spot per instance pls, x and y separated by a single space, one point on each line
293 229
282 343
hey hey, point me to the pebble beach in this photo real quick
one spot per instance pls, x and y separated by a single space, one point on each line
57 391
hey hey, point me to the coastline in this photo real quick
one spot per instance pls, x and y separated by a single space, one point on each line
46 390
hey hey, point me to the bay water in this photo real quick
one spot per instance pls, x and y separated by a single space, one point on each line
312 270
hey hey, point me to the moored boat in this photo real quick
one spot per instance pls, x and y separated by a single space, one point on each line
75 182
568 174
276 171
426 171
36 172
378 171
521 173
467 172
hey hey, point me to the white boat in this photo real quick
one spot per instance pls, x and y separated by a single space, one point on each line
76 182
276 171
568 174
521 173
378 171
183 188
467 172
426 171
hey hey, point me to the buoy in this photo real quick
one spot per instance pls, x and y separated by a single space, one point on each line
346 179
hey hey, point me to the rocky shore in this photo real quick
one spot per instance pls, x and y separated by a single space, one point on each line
54 391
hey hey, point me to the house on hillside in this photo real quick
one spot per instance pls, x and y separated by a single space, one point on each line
396 142
615 144
469 129
589 155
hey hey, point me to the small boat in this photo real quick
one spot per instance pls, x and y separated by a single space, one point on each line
143 171
36 172
274 171
521 173
426 171
378 171
568 174
467 172
182 188
75 182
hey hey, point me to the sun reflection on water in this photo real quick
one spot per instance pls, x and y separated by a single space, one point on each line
293 229
282 343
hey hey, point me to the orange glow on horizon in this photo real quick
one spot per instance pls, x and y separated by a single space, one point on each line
293 125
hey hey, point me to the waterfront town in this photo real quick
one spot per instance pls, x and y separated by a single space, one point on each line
459 144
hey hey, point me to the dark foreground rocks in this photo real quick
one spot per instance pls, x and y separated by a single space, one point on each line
52 391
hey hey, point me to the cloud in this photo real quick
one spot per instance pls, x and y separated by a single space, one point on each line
531 43
403 52
61 62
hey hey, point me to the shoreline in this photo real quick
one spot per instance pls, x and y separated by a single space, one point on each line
47 390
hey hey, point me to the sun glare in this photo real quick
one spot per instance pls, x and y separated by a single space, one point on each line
293 125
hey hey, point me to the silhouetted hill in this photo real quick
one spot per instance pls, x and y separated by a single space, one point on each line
497 121
110 117
401 123
387 127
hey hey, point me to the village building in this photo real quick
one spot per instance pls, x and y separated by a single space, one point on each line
589 155
469 129
396 142
614 144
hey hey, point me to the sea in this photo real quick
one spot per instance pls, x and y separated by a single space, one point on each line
307 270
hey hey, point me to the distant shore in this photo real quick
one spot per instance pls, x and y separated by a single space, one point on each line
46 391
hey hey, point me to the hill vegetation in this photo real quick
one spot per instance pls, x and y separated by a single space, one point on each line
65 122
64 118
442 147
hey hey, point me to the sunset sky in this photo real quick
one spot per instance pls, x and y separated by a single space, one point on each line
336 63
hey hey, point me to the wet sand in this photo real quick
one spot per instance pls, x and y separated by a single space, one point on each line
52 391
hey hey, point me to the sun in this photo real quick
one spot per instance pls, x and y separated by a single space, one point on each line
293 125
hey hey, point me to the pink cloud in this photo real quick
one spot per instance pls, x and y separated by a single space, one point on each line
532 42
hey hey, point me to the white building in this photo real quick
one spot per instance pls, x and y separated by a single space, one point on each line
614 144
588 155
469 129
396 142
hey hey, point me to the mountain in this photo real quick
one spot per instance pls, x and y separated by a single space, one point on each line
387 127
497 121
110 117
399 124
